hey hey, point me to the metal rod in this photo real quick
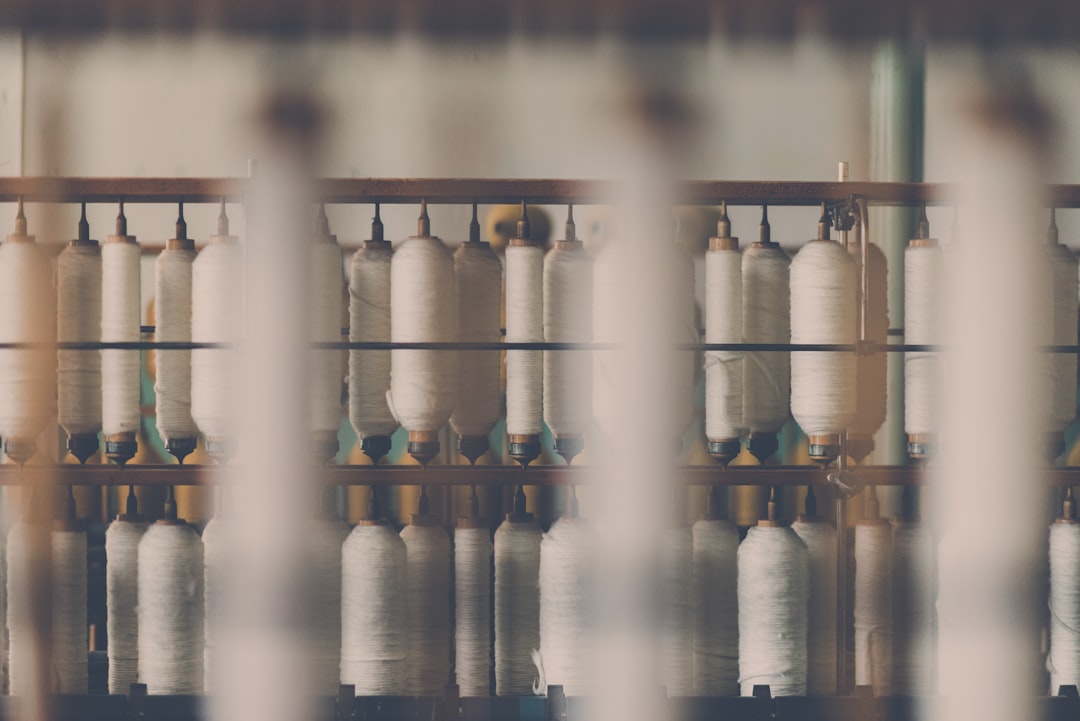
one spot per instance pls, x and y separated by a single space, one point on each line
864 271
841 575
493 190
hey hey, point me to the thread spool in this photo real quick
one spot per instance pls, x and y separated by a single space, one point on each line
1063 663
913 607
427 604
774 579
517 600
472 603
922 371
70 667
326 286
216 317
122 596
677 611
524 324
567 319
121 413
820 539
873 600
171 613
423 306
478 278
871 369
723 324
172 384
766 276
565 599
324 604
216 568
20 626
26 294
823 311
1060 384
716 622
373 637
369 321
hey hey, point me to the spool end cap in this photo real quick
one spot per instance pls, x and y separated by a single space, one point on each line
724 451
181 448
763 446
423 451
472 447
375 447
83 445
569 447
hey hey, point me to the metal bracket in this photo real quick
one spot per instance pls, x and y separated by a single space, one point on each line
847 483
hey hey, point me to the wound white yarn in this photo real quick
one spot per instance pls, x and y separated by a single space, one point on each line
216 317
120 320
472 610
324 604
766 319
325 318
121 602
1063 663
171 609
871 395
723 324
524 324
423 301
478 277
373 637
78 319
922 306
517 606
774 580
677 612
26 375
913 606
820 540
567 319
873 606
823 311
427 609
172 386
20 619
565 602
215 567
716 614
369 321
1062 321
70 648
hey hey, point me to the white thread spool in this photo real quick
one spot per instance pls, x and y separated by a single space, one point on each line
823 311
121 413
773 593
478 277
216 317
423 383
677 611
820 539
567 319
78 319
369 321
326 285
69 632
172 386
324 604
913 604
121 599
26 375
723 324
373 637
1062 320
1063 663
171 609
427 606
517 603
716 618
20 618
215 544
766 274
472 607
873 601
524 324
922 371
565 599
871 392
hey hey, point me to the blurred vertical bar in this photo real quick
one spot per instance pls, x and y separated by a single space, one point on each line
265 672
991 513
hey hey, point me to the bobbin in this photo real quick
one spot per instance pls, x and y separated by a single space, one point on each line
921 447
119 447
724 450
763 445
523 447
375 447
221 448
180 448
569 445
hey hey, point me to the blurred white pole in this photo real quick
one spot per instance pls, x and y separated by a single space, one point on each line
992 503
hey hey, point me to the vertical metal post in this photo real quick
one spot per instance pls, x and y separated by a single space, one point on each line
841 577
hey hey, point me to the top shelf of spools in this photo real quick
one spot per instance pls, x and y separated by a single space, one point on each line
838 197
